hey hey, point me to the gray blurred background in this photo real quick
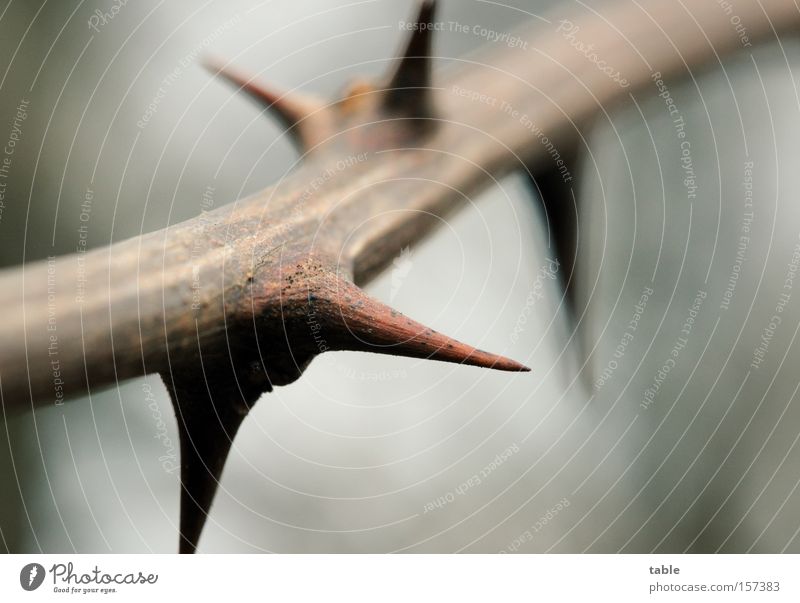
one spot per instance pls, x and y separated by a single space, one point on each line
371 453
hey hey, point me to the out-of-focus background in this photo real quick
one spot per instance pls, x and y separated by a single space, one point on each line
600 449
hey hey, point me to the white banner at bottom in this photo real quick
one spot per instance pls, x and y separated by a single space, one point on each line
398 578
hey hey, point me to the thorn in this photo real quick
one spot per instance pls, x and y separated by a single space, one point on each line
206 430
359 322
408 90
291 109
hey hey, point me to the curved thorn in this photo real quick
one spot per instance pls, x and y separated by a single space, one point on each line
290 109
206 431
359 322
408 89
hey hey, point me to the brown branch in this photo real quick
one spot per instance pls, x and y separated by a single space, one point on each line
238 300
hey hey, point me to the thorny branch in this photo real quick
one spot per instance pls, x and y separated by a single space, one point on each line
230 304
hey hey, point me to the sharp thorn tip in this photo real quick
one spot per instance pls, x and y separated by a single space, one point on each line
409 87
362 323
291 108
